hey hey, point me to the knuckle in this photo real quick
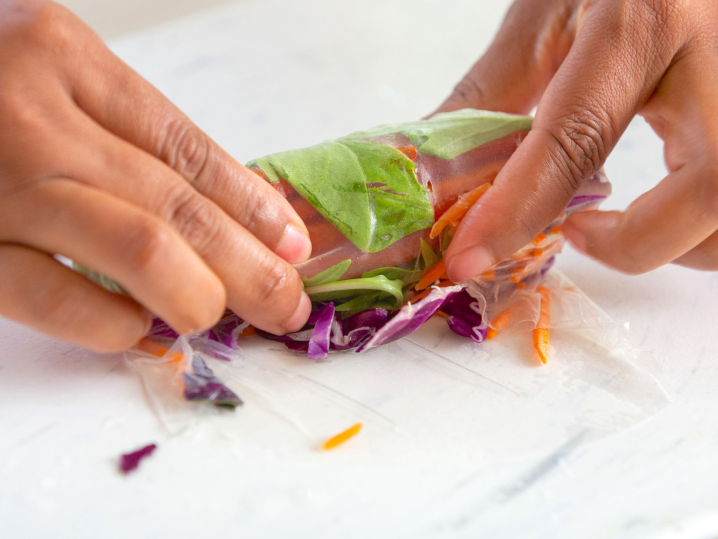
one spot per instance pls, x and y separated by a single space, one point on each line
196 219
186 149
468 91
581 144
50 26
275 285
146 245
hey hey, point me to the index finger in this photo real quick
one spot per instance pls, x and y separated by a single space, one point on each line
124 103
584 111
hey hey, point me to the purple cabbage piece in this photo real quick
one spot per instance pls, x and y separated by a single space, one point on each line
299 346
300 336
202 385
357 329
130 461
160 328
319 341
548 264
411 317
583 199
222 332
464 316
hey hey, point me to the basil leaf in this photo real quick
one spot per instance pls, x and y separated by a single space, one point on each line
368 301
398 204
328 275
368 190
450 134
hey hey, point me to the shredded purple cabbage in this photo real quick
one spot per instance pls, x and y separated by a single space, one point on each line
130 461
583 199
319 341
160 328
464 316
411 317
202 385
223 331
357 329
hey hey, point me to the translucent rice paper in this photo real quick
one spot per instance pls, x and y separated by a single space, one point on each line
432 394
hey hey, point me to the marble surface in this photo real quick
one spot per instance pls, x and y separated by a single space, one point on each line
459 440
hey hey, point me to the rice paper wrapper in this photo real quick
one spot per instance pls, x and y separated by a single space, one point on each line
431 395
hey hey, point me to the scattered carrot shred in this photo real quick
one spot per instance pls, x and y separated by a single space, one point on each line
342 437
431 275
409 151
520 286
491 333
458 209
541 333
488 275
556 230
515 279
537 252
442 314
421 295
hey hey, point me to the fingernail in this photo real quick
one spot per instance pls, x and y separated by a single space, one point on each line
469 263
300 316
294 247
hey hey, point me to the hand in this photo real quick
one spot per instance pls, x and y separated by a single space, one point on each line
592 65
98 166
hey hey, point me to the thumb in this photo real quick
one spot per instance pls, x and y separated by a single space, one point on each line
517 67
587 106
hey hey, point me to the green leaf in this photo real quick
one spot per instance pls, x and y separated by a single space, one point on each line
102 280
355 287
428 255
368 301
397 203
331 274
407 276
450 134
367 190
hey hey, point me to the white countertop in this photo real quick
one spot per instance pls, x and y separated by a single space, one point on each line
459 440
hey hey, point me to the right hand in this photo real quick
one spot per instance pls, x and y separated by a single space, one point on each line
98 166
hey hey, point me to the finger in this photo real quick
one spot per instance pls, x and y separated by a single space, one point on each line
38 291
677 219
117 98
703 257
121 241
658 227
584 111
517 67
261 287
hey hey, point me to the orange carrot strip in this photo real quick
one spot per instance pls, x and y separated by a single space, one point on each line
246 332
458 209
538 239
541 333
556 230
515 279
433 274
158 350
541 344
442 314
520 286
421 295
342 437
491 333
409 151
501 320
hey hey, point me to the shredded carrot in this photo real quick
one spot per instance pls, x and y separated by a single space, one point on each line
491 333
409 151
488 275
431 275
515 279
501 320
520 286
556 230
541 333
442 314
538 239
445 282
421 295
151 347
458 209
342 437
537 252
246 332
